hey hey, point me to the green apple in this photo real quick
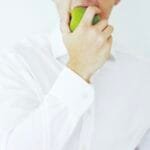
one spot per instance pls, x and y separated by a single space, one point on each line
76 16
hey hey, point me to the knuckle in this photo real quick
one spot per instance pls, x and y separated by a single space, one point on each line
97 34
92 9
92 33
105 22
83 26
102 24
111 27
101 39
104 35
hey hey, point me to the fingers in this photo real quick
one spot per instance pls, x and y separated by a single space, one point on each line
107 32
102 28
104 36
64 28
62 5
106 49
89 15
101 25
64 24
110 40
63 8
109 44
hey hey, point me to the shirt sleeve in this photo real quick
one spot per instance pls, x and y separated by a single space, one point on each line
65 104
17 96
73 91
75 96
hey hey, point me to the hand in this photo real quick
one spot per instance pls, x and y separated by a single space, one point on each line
89 45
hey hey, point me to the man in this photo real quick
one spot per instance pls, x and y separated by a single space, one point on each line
85 98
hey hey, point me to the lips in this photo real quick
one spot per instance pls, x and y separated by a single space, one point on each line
87 3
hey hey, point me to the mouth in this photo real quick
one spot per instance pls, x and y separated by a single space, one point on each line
87 3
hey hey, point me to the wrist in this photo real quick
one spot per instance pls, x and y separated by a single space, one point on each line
81 71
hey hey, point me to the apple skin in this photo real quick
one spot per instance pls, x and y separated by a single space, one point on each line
76 16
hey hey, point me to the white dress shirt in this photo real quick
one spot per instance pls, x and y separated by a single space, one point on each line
46 106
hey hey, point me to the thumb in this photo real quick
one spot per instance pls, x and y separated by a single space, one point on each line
63 7
64 23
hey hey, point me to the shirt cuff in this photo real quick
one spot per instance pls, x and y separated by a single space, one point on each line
73 91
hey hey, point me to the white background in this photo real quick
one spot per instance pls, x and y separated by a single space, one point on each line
22 18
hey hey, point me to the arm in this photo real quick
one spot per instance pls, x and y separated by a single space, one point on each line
76 97
65 104
89 46
18 98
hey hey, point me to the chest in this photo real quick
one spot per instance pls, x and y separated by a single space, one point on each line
121 108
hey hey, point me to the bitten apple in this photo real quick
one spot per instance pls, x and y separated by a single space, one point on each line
76 16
